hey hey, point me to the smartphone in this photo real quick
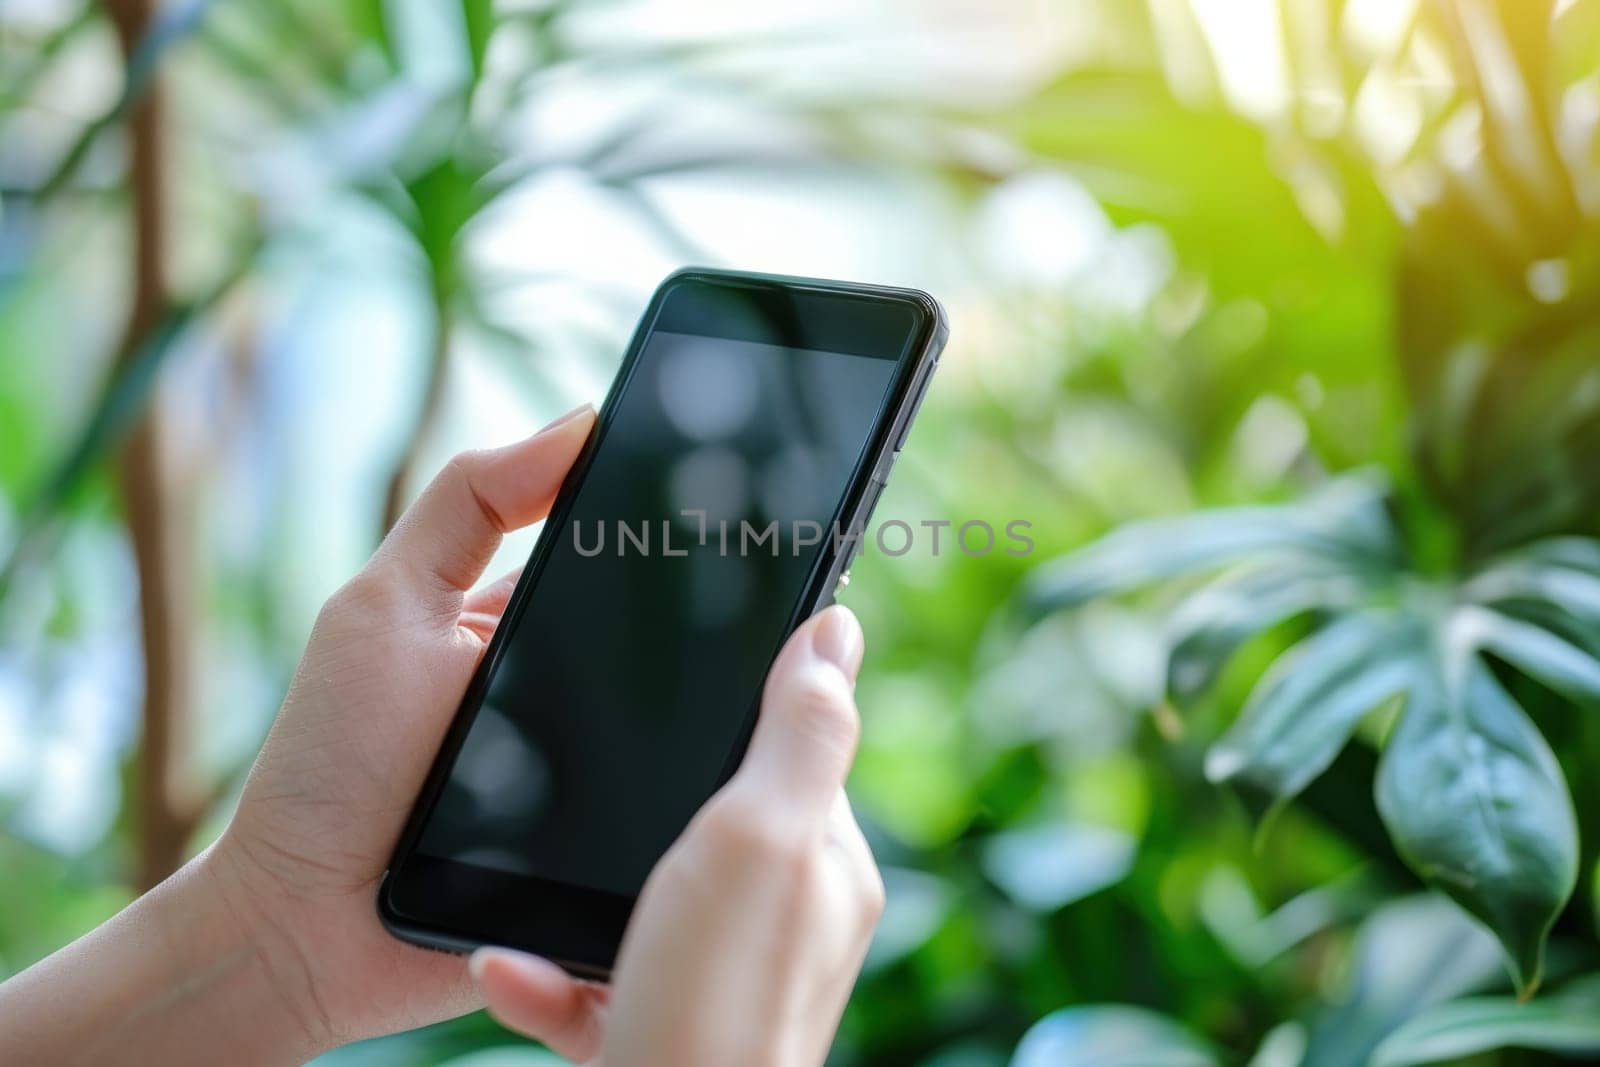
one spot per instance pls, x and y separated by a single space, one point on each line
719 500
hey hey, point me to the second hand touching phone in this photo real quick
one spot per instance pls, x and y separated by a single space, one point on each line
715 507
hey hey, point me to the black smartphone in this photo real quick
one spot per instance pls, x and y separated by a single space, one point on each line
721 496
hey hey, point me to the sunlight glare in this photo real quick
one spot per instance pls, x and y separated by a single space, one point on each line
1246 36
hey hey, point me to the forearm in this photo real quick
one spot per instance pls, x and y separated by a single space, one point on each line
183 975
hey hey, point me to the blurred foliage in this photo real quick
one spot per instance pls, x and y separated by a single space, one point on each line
1286 310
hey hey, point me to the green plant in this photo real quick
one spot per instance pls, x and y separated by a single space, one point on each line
1393 268
1468 787
1435 594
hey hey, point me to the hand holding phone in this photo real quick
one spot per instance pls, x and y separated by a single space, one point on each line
724 491
750 931
299 864
267 946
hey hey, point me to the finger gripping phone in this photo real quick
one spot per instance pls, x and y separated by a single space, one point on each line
721 496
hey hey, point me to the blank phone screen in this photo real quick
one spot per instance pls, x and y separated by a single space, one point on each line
616 703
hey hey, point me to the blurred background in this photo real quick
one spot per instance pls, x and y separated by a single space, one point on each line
1278 319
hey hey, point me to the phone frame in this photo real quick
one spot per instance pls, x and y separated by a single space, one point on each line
579 929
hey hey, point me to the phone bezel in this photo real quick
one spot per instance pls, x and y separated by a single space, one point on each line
581 929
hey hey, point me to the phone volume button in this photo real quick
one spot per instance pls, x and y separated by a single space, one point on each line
875 487
885 464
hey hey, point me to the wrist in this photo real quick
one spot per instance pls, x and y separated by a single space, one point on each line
273 975
185 974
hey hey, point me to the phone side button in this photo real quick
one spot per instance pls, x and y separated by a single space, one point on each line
875 489
858 531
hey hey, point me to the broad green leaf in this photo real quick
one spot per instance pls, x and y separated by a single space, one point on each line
1284 1046
1074 681
1110 1035
1311 699
1567 1022
1573 553
1535 651
1562 617
1210 625
1230 910
1048 867
1345 521
1476 804
1572 589
1409 955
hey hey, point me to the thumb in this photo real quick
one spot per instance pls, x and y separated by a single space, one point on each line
805 738
449 534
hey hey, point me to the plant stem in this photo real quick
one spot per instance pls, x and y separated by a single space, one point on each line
153 501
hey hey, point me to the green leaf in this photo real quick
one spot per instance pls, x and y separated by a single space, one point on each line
1576 553
1535 651
1567 1023
1572 589
447 197
1228 906
168 28
370 20
478 17
1408 955
1476 804
1311 699
43 54
1208 628
1345 521
116 410
1045 868
1110 1035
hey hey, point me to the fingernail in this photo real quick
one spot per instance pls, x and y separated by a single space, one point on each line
576 413
838 639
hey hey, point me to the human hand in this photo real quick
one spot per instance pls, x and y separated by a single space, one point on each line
267 947
750 932
388 659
